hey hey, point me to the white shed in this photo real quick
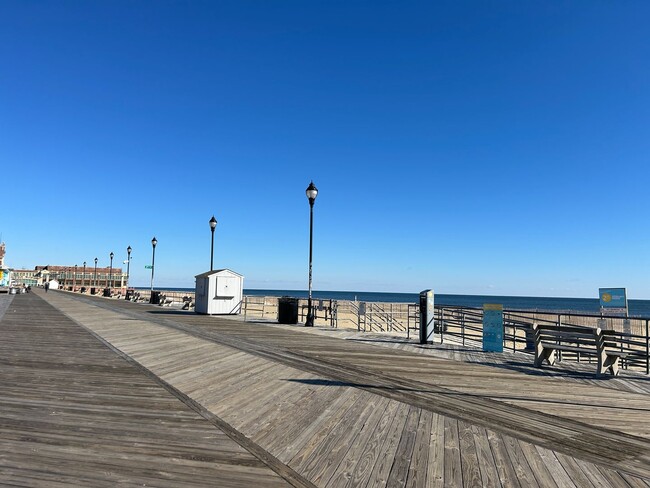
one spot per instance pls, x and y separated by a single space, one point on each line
219 292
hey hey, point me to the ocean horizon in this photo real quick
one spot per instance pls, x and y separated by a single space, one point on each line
637 308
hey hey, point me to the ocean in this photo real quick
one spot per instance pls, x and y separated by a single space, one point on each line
637 308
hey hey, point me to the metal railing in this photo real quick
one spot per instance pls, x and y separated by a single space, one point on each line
465 324
266 307
629 335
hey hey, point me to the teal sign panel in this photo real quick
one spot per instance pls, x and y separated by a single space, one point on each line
493 327
612 297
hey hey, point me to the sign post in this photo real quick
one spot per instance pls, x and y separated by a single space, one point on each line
427 313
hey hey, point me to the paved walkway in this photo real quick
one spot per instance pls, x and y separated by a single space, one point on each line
314 408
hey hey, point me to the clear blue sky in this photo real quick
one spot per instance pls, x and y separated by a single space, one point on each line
470 147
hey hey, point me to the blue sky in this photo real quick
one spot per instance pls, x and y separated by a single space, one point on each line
468 147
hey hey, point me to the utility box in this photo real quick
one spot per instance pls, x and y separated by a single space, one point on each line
427 312
219 292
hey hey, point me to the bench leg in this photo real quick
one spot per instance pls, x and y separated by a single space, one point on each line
545 354
608 363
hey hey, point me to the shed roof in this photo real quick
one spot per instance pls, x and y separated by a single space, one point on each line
217 271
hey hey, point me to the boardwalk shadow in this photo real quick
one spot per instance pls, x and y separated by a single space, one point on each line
324 382
382 340
446 392
170 312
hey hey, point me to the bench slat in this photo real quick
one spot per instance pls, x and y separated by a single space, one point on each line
581 350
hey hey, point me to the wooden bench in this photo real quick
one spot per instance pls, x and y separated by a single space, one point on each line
549 339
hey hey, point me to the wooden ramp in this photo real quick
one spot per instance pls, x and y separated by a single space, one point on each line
347 413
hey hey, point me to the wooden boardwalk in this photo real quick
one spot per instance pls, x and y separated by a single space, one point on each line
332 409
73 413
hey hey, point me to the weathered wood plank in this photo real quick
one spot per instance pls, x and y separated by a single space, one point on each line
368 459
383 465
345 472
453 467
399 470
487 466
507 473
468 455
417 476
435 469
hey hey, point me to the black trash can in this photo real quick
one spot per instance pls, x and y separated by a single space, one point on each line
287 310
107 292
155 298
129 294
93 290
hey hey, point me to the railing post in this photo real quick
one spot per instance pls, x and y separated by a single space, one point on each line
462 325
647 348
559 325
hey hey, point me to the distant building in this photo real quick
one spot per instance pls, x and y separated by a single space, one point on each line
74 278
71 278
26 277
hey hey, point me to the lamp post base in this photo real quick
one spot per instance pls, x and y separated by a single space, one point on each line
309 322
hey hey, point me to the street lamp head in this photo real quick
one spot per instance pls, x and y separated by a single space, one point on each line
154 241
84 264
311 192
213 223
96 261
111 255
128 250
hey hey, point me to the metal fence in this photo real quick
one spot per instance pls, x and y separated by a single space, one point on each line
465 325
266 307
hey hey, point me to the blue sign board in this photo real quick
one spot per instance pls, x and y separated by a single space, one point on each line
493 327
613 300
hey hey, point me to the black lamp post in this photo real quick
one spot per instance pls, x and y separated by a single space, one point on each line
110 274
128 265
213 225
154 241
83 277
95 286
74 279
311 192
